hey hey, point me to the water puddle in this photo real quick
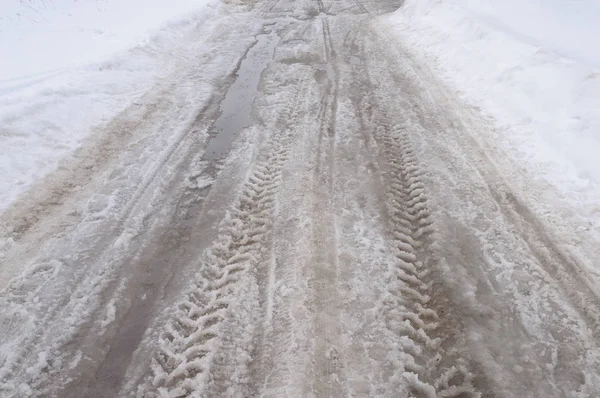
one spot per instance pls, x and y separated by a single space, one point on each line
354 60
236 107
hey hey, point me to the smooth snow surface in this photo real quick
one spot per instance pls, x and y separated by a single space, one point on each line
39 36
67 66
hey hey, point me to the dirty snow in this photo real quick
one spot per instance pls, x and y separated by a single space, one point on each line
68 66
353 242
534 69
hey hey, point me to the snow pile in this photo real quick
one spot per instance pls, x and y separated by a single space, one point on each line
68 66
534 67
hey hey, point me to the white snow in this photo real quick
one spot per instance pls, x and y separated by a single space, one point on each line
38 36
67 66
534 68
111 314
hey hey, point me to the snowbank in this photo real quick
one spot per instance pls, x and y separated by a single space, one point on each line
41 35
70 65
533 67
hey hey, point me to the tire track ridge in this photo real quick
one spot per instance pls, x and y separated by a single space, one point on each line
408 310
274 275
270 371
46 271
124 225
190 342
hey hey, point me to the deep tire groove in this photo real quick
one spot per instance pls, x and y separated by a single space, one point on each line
407 305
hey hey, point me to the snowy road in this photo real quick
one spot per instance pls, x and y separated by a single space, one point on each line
301 210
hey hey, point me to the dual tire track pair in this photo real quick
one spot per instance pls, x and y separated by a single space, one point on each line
192 339
195 339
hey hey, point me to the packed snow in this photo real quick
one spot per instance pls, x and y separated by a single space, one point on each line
361 232
68 66
533 67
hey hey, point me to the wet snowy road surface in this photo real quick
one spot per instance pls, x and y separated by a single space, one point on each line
301 211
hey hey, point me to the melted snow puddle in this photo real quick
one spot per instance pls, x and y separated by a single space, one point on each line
236 107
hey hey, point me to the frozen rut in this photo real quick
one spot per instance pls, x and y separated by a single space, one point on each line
301 212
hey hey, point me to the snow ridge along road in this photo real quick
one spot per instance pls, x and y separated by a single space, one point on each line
303 211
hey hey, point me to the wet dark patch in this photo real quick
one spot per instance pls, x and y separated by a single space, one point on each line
236 107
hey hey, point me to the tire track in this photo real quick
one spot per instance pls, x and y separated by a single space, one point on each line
410 314
277 354
420 332
329 104
67 328
80 301
330 367
59 318
276 325
567 292
195 337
